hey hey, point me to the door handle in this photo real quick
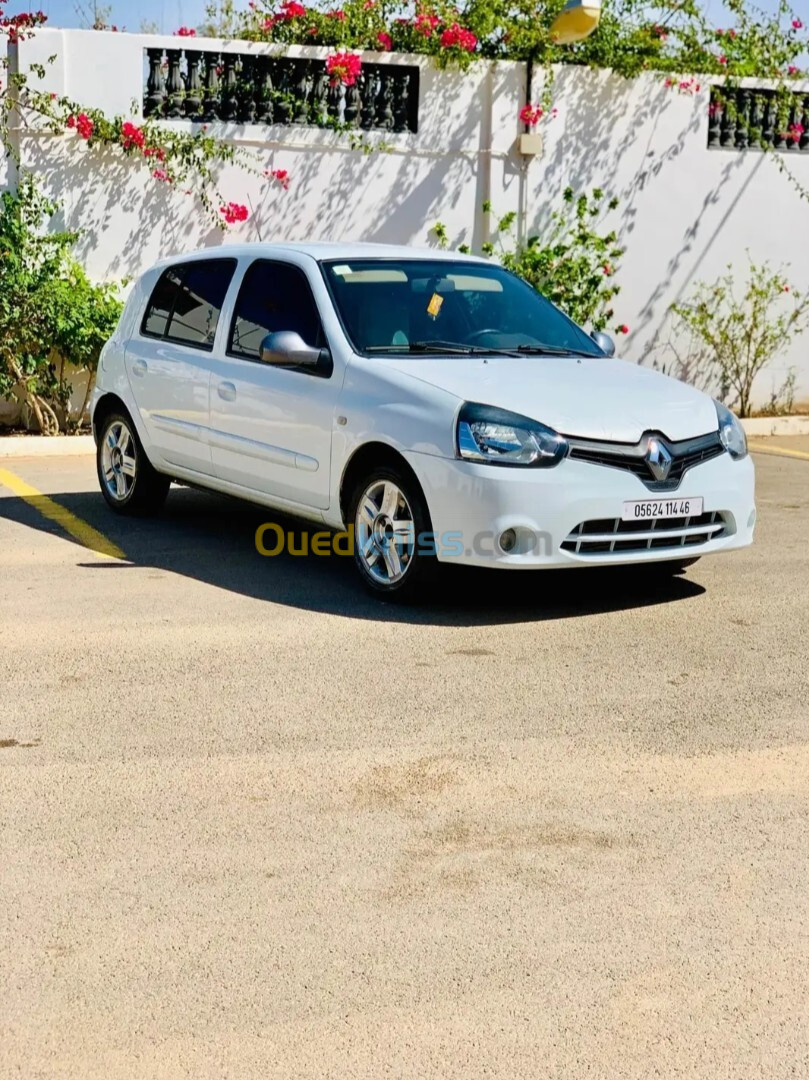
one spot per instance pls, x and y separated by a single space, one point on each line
139 367
227 391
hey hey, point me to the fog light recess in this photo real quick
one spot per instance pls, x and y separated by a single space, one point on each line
508 540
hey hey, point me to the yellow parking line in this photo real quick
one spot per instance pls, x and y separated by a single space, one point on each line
85 534
762 448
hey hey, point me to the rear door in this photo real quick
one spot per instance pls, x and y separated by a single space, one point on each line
168 361
271 427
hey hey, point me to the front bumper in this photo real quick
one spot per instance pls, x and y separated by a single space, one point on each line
472 504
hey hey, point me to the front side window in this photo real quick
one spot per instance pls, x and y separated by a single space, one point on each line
401 305
274 296
187 301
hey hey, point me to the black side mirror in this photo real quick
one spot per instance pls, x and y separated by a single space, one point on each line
604 342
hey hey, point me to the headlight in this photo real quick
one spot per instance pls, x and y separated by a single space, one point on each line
499 437
731 432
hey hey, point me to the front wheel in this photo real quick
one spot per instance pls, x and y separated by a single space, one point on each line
394 557
128 481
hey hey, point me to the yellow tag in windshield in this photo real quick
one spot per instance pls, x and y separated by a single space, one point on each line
434 306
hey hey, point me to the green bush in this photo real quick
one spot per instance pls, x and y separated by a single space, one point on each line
51 314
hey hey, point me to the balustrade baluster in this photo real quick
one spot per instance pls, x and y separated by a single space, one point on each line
174 85
230 100
264 90
193 89
210 98
155 87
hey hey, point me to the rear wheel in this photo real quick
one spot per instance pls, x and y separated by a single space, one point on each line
389 515
128 481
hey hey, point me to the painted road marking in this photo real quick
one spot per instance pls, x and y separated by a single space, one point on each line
85 534
762 448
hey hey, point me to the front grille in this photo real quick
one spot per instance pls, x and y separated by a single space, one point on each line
631 457
607 536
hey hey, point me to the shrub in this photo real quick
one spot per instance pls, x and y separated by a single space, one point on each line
571 262
739 335
50 313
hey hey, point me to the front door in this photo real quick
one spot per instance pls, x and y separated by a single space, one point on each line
271 426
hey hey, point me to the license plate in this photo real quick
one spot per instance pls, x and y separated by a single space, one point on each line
655 509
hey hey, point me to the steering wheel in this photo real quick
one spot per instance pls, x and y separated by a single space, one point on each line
479 333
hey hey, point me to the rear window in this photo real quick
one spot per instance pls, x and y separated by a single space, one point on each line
186 302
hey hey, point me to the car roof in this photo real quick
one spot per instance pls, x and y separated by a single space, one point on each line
321 251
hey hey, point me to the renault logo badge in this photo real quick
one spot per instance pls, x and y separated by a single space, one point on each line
658 459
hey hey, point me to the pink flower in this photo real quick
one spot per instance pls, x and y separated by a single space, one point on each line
425 24
786 288
792 70
622 329
368 5
337 14
343 67
234 212
723 60
160 174
531 115
607 270
457 35
385 41
797 24
795 132
185 31
281 175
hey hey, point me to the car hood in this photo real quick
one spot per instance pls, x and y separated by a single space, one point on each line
589 397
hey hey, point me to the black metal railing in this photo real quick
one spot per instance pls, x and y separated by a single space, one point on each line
742 119
186 84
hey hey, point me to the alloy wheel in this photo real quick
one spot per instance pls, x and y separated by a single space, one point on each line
385 532
119 461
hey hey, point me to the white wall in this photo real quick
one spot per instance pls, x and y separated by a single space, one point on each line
685 211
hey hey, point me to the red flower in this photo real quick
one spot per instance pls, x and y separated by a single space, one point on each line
131 136
185 31
290 9
233 212
723 60
281 175
337 14
82 123
622 329
343 67
385 41
792 70
425 24
795 132
531 114
457 35
797 24
786 288
607 269
160 174
368 5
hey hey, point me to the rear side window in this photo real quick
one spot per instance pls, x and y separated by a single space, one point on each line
187 300
274 296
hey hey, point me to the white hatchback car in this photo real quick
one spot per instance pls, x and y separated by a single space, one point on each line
434 403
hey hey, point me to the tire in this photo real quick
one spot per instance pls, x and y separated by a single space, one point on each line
389 514
129 483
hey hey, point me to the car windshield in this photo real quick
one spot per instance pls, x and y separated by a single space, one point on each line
395 306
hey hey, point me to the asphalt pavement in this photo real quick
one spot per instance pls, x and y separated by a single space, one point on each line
256 824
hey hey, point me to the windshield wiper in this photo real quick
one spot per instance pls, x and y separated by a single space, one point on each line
441 347
548 350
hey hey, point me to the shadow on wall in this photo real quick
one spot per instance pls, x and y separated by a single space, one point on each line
128 220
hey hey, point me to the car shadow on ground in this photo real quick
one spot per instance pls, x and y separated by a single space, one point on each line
211 538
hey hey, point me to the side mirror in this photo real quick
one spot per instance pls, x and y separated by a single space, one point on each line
604 342
287 348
